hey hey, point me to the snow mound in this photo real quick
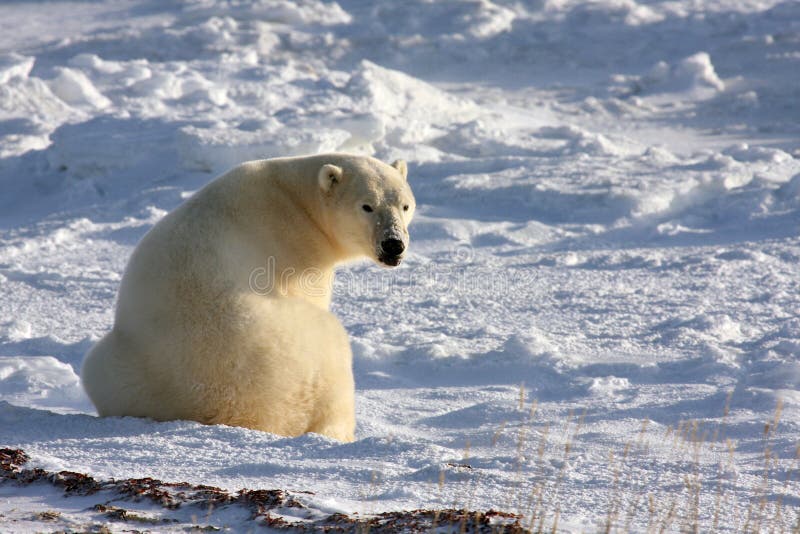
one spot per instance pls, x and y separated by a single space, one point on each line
739 189
104 147
43 381
580 141
214 150
75 88
300 12
775 368
693 76
28 107
608 386
627 12
408 106
14 66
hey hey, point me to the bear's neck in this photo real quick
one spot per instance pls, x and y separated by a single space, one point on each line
303 267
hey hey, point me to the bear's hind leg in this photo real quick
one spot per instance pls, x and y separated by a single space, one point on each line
337 419
334 415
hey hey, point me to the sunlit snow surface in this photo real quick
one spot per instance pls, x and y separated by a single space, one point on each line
609 209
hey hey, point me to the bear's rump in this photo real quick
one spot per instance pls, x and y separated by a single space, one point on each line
272 368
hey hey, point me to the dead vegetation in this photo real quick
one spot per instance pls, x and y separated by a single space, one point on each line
277 509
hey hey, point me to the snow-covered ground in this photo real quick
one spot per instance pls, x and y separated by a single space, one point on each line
599 321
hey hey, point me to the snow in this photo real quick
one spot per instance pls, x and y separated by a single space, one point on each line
75 88
599 317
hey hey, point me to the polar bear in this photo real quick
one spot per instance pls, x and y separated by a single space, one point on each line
222 313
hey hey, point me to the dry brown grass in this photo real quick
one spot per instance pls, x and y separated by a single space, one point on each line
692 494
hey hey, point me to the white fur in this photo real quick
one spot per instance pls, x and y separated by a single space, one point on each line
204 332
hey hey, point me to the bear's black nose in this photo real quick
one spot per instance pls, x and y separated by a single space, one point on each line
392 247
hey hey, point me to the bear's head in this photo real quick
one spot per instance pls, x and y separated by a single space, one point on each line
369 205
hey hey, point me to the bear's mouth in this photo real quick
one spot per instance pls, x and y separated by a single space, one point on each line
391 261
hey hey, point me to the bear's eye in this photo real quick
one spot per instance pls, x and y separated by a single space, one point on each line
405 208
367 208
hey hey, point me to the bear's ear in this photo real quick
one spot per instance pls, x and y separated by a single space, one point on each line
401 166
329 175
